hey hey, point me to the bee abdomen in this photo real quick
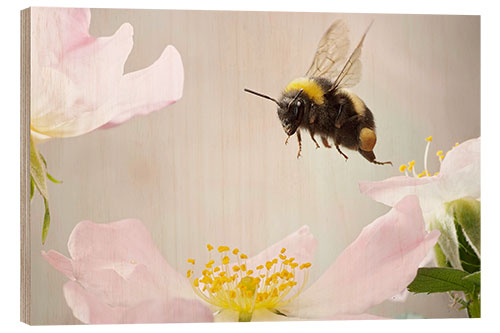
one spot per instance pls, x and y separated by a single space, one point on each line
367 139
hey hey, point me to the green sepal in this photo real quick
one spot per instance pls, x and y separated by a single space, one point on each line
474 278
38 171
278 312
52 179
440 257
439 279
32 187
38 176
467 214
468 258
46 221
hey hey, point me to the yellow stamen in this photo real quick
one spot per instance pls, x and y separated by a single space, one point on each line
240 289
191 261
210 247
429 138
222 249
403 168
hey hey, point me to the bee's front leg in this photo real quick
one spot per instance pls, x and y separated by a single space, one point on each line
299 139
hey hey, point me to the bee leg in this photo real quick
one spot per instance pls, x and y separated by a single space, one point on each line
299 139
286 141
341 153
325 142
370 156
311 132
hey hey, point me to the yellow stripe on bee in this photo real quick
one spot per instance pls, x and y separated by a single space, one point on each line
311 88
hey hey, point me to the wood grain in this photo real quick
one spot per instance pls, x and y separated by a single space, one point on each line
213 167
25 167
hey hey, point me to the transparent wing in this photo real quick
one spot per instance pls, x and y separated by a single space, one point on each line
331 53
351 73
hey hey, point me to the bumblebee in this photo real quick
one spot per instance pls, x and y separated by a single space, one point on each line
320 103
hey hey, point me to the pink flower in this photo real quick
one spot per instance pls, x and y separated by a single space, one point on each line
459 177
117 275
78 81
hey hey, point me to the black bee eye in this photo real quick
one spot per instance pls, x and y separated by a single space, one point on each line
296 107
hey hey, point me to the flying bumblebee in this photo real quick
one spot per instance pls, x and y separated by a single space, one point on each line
320 104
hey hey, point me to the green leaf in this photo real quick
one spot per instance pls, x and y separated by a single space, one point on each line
52 179
38 174
38 171
474 278
32 188
467 213
46 221
437 280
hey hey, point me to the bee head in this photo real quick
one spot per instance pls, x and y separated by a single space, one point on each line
291 109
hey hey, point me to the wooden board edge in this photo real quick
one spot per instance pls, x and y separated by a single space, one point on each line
25 276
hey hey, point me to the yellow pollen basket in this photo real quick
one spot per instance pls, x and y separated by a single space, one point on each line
404 168
234 286
311 88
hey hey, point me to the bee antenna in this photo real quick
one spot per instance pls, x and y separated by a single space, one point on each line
261 95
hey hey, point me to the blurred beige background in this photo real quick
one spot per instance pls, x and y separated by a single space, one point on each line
213 167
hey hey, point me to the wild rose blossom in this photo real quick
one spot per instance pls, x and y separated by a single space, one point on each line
458 177
78 81
117 275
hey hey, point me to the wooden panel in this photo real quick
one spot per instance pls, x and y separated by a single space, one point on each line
213 167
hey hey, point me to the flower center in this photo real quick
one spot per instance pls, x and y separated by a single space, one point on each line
410 167
232 285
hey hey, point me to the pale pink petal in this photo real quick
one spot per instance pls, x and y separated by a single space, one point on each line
73 97
300 245
150 89
462 156
125 251
380 263
392 190
56 31
461 172
59 262
91 310
88 308
79 83
459 177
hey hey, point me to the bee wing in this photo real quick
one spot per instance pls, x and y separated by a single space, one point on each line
332 51
351 73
